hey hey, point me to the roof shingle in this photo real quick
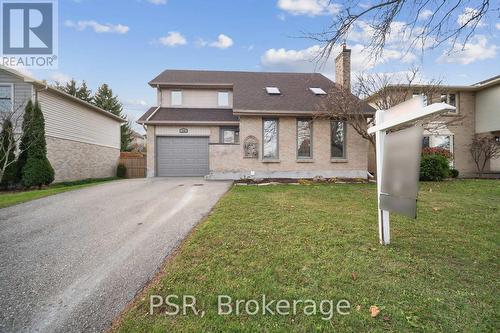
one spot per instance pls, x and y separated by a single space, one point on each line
188 115
249 88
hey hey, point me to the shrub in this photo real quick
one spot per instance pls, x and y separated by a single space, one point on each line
37 172
434 168
121 170
454 173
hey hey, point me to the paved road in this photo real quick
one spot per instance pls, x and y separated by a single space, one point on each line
71 262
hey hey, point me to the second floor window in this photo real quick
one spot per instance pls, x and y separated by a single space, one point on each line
270 139
223 98
450 99
426 99
5 98
304 138
176 97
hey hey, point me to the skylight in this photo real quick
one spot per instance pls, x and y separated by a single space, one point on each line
318 91
273 91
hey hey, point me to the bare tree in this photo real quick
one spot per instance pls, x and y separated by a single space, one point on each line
417 23
13 112
374 91
484 149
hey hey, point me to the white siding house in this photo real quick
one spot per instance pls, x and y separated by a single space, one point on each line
83 141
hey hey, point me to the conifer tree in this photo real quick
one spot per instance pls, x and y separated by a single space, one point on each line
25 140
84 93
71 87
105 99
37 171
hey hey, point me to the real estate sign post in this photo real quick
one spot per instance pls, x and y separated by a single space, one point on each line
398 158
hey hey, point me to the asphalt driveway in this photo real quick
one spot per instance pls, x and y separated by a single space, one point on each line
71 262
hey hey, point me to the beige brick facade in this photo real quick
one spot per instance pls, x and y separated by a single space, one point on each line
343 68
74 160
151 155
463 133
228 162
462 129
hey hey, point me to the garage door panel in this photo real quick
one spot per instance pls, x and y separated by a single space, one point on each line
182 156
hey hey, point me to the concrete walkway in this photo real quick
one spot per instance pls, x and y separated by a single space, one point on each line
71 262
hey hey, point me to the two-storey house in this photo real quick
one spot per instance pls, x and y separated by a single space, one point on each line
233 125
477 114
83 141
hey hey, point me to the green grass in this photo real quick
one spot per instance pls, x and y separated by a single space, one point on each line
13 198
440 274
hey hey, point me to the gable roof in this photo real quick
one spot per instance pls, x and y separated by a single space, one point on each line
249 88
44 85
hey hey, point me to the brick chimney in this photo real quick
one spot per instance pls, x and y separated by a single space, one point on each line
343 68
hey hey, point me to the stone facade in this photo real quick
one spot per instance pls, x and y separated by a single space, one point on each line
73 160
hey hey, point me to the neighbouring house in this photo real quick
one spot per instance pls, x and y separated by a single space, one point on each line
138 143
477 113
83 141
234 125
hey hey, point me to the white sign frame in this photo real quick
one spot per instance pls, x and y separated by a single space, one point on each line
404 113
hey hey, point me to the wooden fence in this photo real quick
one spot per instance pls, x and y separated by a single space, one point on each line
135 164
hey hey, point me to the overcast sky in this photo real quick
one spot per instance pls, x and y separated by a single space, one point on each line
126 43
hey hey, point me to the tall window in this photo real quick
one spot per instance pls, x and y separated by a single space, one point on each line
176 97
223 98
5 98
270 138
304 138
338 139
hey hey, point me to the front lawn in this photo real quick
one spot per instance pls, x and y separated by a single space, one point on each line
321 242
13 198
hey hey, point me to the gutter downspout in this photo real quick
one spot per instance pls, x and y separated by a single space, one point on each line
37 90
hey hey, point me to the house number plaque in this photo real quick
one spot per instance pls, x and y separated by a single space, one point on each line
183 130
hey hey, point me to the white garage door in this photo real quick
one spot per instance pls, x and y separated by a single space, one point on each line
181 156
